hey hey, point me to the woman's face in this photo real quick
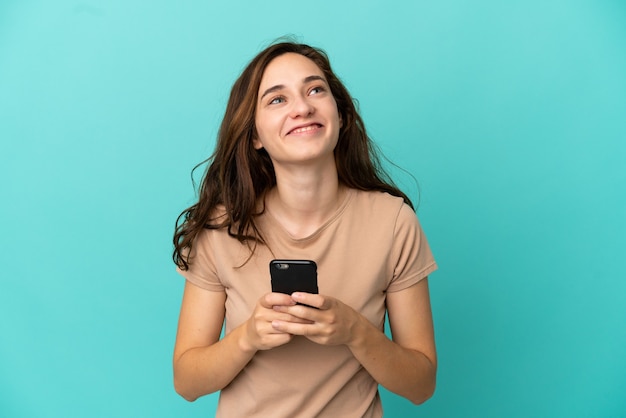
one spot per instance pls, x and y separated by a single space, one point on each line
297 120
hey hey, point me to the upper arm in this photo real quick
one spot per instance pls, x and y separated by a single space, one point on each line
201 318
410 319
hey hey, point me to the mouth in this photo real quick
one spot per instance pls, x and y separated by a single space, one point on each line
304 129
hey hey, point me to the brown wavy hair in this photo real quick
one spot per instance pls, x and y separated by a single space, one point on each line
238 175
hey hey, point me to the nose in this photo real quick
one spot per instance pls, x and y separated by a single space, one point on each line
301 107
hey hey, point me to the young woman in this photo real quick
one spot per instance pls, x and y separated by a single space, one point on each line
294 176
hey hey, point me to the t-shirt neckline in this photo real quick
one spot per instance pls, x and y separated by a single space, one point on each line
347 198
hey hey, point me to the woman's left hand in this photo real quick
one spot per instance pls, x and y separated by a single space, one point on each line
332 323
406 366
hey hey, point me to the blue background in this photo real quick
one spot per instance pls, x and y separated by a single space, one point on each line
511 115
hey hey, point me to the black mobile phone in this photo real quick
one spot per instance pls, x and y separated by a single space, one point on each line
290 276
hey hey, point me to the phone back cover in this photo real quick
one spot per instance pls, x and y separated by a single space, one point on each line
300 276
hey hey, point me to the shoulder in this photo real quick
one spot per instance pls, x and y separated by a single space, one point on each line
213 233
374 196
218 216
380 214
388 212
381 203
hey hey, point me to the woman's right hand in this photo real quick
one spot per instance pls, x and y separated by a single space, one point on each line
204 363
260 335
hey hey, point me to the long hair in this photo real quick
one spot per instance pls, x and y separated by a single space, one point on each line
238 175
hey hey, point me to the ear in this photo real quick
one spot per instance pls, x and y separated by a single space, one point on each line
256 143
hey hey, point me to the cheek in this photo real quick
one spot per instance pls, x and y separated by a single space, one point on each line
267 126
263 135
261 123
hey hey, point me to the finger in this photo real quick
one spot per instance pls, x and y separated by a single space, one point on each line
301 314
286 316
313 300
272 299
293 328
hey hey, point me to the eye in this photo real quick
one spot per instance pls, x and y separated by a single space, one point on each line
317 90
277 100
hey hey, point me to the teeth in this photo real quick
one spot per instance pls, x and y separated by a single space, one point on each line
304 129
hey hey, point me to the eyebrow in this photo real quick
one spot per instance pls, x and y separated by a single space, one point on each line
282 86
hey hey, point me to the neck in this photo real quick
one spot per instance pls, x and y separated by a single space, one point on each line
304 199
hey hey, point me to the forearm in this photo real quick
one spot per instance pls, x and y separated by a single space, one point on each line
203 370
406 366
406 372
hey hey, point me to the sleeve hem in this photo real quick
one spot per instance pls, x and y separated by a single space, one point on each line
200 282
418 277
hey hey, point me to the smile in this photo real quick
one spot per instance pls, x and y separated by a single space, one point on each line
305 129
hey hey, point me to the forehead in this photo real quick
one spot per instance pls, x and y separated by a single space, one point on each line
289 68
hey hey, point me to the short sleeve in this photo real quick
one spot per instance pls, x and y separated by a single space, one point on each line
202 270
411 258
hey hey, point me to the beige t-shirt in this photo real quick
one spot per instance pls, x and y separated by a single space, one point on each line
371 245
